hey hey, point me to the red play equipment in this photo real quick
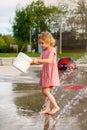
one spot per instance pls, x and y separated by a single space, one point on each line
66 63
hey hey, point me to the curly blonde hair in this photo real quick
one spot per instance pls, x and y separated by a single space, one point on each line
47 38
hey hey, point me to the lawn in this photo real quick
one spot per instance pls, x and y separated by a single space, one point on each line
74 55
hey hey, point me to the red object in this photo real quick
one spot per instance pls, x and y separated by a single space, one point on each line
74 87
50 86
66 63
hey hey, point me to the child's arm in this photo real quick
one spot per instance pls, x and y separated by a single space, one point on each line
36 61
49 60
43 61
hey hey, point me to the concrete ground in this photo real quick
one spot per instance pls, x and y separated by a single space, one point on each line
10 73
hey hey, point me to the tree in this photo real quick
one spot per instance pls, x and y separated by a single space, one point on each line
78 18
59 17
2 42
20 27
35 18
8 39
81 11
3 46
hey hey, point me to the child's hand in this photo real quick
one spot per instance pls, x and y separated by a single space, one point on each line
34 62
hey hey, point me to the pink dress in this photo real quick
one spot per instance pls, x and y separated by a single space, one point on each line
50 76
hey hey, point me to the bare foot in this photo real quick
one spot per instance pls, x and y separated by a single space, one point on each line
54 110
44 112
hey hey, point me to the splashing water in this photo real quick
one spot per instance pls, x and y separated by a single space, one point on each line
63 78
68 107
82 60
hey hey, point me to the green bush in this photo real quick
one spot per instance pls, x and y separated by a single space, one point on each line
4 49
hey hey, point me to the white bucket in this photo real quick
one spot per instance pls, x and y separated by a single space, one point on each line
22 62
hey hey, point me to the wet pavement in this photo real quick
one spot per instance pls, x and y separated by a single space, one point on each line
21 100
14 75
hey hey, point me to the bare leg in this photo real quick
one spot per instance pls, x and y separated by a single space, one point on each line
56 108
46 105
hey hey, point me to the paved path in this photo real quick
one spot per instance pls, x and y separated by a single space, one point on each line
9 70
12 74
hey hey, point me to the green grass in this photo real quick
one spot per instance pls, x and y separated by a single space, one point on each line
8 54
74 55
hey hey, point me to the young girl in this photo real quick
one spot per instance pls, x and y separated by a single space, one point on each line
49 77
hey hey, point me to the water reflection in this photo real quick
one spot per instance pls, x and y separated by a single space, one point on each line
10 117
28 98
